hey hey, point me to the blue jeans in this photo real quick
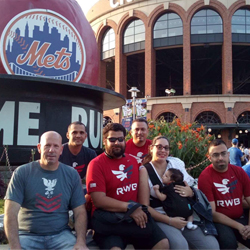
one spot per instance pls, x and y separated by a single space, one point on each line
63 241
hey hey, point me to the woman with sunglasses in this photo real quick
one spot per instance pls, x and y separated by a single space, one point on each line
158 161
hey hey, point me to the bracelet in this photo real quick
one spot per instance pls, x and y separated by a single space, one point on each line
169 221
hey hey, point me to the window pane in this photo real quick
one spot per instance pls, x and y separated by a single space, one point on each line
105 47
138 22
174 23
248 29
238 29
211 13
240 12
238 20
175 32
139 29
163 18
139 37
198 21
161 25
112 45
173 16
129 39
214 29
160 33
129 32
198 30
214 20
200 13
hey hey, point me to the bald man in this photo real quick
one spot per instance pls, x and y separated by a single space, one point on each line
45 190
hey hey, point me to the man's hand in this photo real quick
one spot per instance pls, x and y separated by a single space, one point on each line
245 232
139 217
78 246
184 191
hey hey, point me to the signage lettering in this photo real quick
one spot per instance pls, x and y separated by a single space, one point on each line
22 120
116 3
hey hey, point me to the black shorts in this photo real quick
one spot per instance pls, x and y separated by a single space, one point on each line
128 233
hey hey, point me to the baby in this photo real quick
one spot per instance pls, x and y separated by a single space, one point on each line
174 204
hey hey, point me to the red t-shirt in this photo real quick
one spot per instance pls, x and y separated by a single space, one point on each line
138 152
118 178
225 189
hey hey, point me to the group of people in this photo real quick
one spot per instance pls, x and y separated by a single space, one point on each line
140 195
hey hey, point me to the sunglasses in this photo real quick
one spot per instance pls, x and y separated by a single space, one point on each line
114 139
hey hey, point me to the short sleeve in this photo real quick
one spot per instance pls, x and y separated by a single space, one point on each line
204 184
95 177
77 196
16 187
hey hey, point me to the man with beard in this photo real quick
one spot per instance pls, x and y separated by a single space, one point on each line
45 190
74 153
112 182
225 185
139 144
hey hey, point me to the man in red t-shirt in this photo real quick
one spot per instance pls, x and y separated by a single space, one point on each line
112 182
138 146
225 185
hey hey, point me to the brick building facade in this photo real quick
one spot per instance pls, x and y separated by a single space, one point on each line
199 48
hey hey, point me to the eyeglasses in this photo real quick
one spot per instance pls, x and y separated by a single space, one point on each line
217 155
114 139
160 147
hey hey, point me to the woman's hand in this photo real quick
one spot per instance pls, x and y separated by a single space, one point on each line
184 191
178 222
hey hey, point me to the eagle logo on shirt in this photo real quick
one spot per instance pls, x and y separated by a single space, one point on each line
50 184
123 173
138 157
225 187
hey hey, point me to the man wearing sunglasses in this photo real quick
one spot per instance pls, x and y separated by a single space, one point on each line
112 182
225 185
139 144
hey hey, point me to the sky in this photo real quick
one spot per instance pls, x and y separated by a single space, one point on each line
86 4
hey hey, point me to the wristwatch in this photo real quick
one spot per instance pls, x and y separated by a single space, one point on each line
130 205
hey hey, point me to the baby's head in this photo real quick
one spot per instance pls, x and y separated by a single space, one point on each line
172 175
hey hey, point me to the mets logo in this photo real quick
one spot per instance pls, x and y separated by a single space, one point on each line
42 43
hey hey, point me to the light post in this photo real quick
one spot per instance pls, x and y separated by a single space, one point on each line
134 92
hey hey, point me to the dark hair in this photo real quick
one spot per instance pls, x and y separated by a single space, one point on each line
113 127
176 175
215 143
140 120
76 123
148 157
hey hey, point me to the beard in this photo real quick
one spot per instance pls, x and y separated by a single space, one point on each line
115 151
221 166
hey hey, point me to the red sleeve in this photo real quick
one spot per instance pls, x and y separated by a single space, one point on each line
205 185
95 179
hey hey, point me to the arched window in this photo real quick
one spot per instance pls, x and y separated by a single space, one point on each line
206 22
244 117
241 21
168 116
168 30
108 44
134 36
208 117
241 25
